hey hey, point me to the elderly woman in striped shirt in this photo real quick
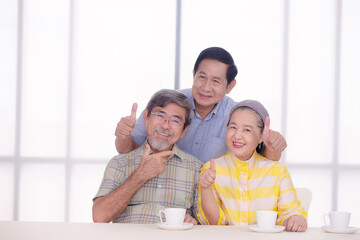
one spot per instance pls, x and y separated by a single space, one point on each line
233 187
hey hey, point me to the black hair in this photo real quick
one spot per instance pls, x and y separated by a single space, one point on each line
220 55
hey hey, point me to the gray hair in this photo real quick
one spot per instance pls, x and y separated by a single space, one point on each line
165 96
256 107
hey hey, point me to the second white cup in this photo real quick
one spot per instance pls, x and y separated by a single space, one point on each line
174 216
266 219
338 220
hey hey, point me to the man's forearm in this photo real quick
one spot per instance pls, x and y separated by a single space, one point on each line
105 209
125 145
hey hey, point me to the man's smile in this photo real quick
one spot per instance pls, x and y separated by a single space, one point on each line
161 133
204 96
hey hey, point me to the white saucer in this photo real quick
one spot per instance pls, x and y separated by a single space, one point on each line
346 230
184 226
277 229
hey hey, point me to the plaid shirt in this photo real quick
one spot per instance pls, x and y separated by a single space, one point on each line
243 187
175 187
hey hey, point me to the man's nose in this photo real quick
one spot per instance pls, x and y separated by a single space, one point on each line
166 124
207 84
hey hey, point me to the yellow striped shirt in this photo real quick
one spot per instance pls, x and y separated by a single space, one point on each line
243 187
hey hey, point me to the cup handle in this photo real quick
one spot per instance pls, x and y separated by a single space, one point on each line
324 217
160 215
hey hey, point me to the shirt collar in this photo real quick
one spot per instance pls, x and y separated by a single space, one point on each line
177 153
212 113
249 162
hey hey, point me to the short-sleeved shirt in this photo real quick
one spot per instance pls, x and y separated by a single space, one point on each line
175 187
204 139
243 187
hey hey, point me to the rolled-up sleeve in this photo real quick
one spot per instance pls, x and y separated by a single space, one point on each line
113 177
288 203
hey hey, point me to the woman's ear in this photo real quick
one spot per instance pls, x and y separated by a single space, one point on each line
261 138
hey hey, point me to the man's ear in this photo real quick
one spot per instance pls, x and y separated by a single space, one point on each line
145 113
184 131
230 86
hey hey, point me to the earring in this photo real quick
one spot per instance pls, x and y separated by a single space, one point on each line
259 147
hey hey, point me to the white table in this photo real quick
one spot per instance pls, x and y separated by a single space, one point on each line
88 231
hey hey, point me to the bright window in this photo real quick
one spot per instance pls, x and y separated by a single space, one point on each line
71 69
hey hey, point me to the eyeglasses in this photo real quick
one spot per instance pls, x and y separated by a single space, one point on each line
174 122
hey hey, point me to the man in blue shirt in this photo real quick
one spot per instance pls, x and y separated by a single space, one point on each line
214 76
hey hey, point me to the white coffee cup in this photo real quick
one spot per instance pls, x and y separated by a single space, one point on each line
174 216
338 220
266 219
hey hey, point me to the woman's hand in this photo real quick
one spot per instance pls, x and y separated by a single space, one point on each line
207 177
295 224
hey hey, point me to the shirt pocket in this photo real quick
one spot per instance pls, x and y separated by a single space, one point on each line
183 189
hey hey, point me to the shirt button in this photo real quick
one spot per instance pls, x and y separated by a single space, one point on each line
197 143
159 186
244 219
201 124
243 193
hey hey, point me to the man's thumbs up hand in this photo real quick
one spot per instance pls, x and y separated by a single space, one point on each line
133 112
266 131
274 142
126 124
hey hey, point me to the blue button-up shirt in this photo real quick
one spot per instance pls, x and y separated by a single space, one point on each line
204 139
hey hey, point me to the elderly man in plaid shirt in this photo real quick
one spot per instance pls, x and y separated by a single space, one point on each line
138 184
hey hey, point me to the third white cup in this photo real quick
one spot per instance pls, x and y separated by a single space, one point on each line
338 220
